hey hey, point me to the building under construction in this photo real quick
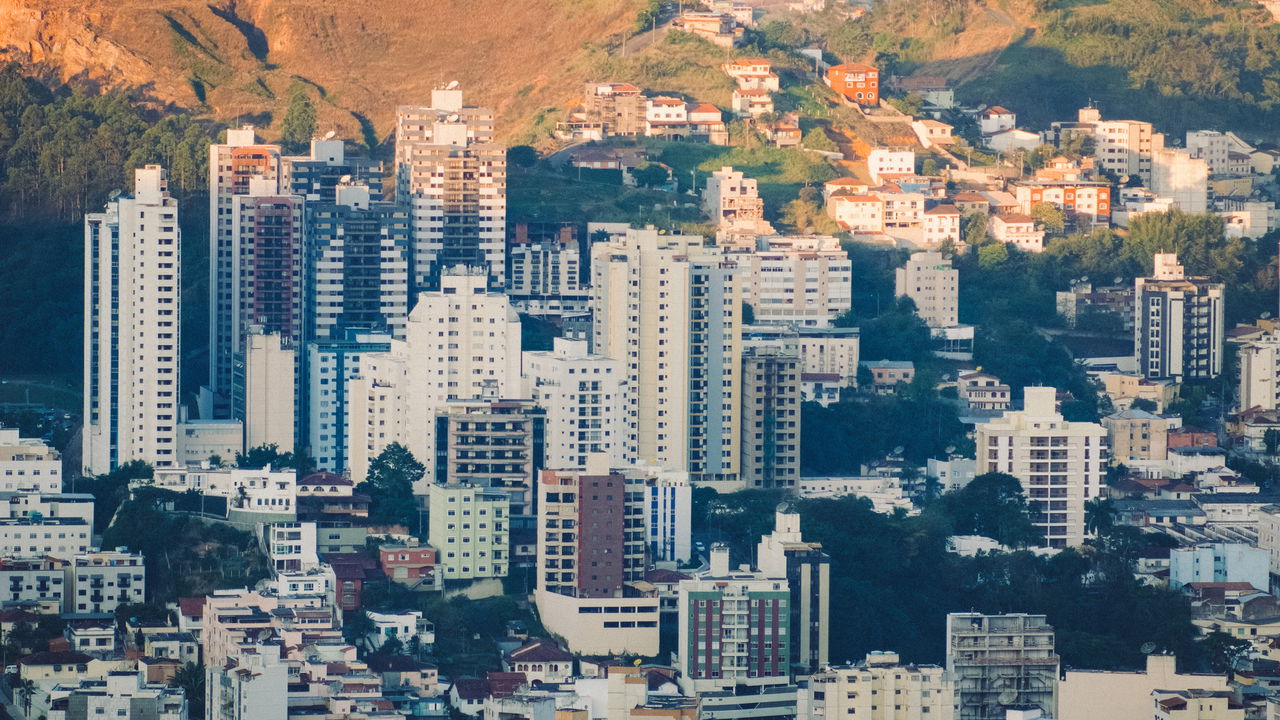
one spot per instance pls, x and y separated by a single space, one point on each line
1001 661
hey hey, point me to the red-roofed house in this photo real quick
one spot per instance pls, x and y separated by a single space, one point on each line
753 74
750 103
857 83
857 213
1018 230
941 223
995 119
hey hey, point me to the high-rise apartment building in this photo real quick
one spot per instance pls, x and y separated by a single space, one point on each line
357 265
492 443
461 342
670 309
234 165
332 365
547 270
266 280
1061 463
1000 662
933 285
453 175
585 398
591 548
784 553
1178 323
469 527
668 511
882 687
133 289
266 394
316 176
735 628
770 418
803 280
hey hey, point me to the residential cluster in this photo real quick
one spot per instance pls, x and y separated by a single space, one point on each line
357 311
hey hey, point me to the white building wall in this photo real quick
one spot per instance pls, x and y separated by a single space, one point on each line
933 285
1060 463
28 465
462 342
270 392
585 397
132 294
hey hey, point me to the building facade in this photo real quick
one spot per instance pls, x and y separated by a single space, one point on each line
1000 662
881 687
585 398
802 280
770 418
1060 463
807 569
1178 323
933 285
453 175
670 309
469 526
132 351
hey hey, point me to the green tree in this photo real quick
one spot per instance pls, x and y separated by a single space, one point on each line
264 455
26 689
993 255
522 156
975 230
190 678
1048 214
651 175
389 484
992 505
299 124
748 314
1271 439
1099 516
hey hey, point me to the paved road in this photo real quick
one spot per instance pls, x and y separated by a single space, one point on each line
638 42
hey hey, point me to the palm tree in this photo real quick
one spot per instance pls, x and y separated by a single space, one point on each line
1099 516
190 678
26 687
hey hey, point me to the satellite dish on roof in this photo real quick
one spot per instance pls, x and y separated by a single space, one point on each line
898 450
1117 280
951 449
1147 648
453 85
329 135
1008 697
453 117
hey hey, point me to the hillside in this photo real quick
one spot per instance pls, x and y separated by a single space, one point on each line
1182 64
360 57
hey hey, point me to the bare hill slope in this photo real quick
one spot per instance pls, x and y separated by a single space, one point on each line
361 57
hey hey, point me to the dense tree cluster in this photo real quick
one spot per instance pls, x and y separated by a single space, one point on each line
893 582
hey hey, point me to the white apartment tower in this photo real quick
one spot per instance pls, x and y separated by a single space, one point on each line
461 342
1060 463
1178 323
454 176
1260 373
805 280
933 285
585 397
234 165
132 354
670 309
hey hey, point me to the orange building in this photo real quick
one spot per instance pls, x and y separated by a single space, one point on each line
856 82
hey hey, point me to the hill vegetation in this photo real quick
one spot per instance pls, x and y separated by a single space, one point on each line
240 59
